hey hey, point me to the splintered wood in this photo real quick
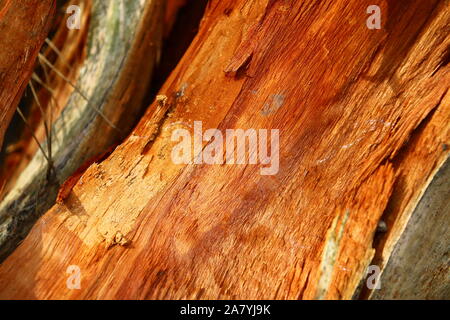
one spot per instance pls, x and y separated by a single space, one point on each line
363 117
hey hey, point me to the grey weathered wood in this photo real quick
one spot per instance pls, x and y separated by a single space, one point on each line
419 267
24 25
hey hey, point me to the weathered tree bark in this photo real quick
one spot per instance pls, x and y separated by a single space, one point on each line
364 127
24 26
418 265
124 43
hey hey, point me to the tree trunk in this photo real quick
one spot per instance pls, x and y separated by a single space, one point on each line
363 119
101 110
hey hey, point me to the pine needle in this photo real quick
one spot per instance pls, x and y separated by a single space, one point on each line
48 63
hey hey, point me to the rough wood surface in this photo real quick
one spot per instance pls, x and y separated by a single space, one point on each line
23 26
418 267
124 43
363 118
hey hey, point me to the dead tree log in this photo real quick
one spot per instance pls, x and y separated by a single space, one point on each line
363 119
124 43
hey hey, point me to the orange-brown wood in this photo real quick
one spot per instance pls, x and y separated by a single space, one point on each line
23 26
363 119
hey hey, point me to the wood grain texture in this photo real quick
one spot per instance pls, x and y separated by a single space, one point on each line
24 26
360 109
124 40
